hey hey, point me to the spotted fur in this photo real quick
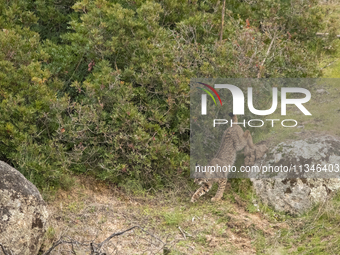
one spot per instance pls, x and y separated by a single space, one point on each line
233 140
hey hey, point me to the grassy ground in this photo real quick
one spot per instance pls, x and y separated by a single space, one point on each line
91 211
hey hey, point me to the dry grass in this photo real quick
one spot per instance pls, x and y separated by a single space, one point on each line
92 211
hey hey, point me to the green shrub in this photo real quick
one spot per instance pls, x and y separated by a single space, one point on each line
107 92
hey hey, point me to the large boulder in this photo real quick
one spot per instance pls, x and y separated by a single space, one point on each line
23 213
296 191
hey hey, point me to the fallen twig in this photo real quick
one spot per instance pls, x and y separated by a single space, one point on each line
325 34
113 235
95 249
3 249
55 245
329 64
222 21
122 232
182 232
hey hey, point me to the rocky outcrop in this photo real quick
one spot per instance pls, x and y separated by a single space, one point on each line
296 190
23 213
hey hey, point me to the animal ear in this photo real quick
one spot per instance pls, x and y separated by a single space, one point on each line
231 114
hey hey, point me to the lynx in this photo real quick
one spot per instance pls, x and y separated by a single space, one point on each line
233 140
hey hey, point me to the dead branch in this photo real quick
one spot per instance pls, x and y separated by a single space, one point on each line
329 64
325 34
60 241
3 249
264 60
182 232
115 234
95 249
222 21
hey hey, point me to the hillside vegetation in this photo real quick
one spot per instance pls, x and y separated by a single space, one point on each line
94 110
102 87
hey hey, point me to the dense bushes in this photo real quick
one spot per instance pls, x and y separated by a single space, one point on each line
102 87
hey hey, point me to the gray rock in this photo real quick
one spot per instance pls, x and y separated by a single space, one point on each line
23 213
295 192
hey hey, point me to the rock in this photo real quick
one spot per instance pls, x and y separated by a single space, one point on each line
23 213
295 192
